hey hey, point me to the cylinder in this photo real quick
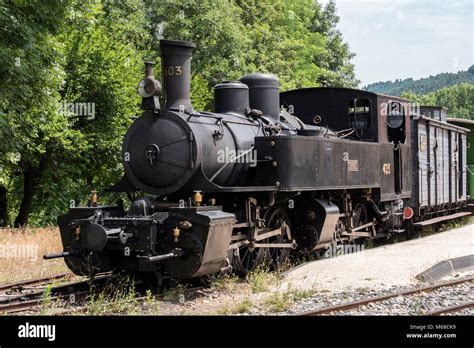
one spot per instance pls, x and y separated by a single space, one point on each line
264 94
176 74
231 97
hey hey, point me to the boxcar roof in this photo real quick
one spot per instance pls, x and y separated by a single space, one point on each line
442 124
345 89
463 121
433 107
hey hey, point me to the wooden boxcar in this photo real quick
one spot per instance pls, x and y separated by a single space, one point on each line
439 161
469 124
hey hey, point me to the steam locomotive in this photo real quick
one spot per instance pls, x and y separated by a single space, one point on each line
264 176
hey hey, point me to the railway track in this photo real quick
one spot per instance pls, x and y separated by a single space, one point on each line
452 309
29 295
344 307
6 289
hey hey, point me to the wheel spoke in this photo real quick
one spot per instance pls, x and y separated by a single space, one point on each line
247 260
276 218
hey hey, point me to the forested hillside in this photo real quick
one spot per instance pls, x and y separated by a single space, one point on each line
459 99
424 85
69 71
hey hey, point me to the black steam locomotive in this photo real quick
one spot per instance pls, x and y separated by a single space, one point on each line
263 176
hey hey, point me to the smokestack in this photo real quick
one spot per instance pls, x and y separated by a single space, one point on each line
176 71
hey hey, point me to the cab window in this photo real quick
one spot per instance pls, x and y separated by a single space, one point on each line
359 113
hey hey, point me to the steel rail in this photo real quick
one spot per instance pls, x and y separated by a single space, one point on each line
354 304
28 301
452 309
35 281
35 304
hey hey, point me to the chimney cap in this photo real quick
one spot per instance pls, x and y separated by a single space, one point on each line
177 43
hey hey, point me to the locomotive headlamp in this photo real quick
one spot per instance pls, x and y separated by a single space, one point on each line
149 87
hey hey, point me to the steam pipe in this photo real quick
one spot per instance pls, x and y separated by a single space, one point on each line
170 255
57 255
381 214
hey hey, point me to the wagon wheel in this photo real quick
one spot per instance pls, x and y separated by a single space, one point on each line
360 215
245 259
360 218
278 217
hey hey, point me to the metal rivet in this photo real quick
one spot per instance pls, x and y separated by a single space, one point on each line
274 163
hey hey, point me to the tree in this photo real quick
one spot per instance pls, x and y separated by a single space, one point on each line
424 85
216 27
29 82
296 40
104 46
58 56
70 53
337 56
458 99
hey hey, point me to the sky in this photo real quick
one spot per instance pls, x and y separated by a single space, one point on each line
407 38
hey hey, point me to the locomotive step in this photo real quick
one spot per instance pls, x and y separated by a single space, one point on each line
441 218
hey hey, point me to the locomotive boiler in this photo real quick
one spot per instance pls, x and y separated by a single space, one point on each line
262 177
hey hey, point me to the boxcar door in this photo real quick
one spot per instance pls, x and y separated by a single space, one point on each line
423 165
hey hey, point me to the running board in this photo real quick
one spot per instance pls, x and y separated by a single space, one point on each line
441 218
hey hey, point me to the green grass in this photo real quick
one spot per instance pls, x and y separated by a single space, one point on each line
416 306
447 225
282 301
261 279
117 298
369 244
151 305
458 223
243 307
175 293
227 282
46 301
